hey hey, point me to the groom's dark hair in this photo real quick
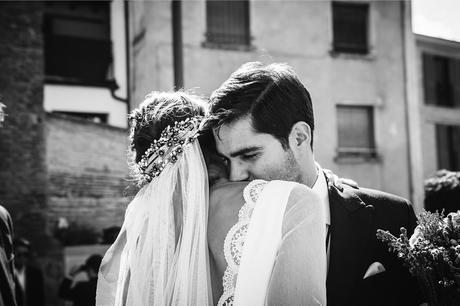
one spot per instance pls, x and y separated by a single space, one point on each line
271 95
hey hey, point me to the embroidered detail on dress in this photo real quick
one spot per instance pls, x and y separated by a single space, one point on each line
234 241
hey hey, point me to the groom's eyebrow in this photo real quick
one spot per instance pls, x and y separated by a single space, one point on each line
245 151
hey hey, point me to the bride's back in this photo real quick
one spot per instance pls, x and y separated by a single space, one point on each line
225 201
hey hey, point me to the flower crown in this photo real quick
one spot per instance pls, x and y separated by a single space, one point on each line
168 148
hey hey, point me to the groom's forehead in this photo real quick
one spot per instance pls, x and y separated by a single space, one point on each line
234 131
233 139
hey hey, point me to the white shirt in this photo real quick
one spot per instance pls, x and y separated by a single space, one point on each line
21 276
320 187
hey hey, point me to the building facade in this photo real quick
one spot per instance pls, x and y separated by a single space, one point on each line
351 55
438 66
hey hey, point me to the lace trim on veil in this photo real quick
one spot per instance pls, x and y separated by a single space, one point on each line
234 241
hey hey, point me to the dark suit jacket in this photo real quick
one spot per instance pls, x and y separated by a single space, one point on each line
34 294
82 294
6 259
356 214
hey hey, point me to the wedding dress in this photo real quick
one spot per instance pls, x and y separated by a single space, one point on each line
276 252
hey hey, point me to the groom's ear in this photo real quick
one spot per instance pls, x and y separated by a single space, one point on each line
300 135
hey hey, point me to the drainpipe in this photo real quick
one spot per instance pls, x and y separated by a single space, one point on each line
128 57
177 44
114 86
412 109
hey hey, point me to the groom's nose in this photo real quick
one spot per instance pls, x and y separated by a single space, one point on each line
238 173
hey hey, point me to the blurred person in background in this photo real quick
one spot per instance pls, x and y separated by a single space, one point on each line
82 293
28 278
6 248
7 295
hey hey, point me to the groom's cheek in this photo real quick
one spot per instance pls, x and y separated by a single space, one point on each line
264 171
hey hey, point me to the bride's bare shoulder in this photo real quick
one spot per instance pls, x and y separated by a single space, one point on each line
228 191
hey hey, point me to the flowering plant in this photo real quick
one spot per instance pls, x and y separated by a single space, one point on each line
432 255
442 191
443 180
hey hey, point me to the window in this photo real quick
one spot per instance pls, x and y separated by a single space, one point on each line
227 23
350 27
441 77
93 117
448 147
77 42
355 131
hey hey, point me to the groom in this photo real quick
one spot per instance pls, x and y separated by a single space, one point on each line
263 126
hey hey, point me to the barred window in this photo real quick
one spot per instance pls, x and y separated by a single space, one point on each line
350 27
78 47
441 78
355 130
227 23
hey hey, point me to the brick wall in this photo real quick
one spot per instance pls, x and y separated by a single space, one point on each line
23 171
87 172
22 147
50 166
86 183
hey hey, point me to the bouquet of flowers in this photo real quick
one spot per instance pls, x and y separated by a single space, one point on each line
432 255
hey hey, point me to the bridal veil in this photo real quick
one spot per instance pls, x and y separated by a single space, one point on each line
161 256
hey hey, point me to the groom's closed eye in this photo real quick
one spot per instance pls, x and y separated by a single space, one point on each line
249 154
250 157
246 152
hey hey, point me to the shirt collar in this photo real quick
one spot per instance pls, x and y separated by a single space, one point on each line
320 187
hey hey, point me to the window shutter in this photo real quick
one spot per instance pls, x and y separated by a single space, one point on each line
350 27
227 22
355 129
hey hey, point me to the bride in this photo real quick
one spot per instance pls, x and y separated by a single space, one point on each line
266 239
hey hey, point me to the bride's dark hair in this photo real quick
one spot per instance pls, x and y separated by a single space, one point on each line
154 114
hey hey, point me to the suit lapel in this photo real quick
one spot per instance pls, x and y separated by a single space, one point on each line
352 226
